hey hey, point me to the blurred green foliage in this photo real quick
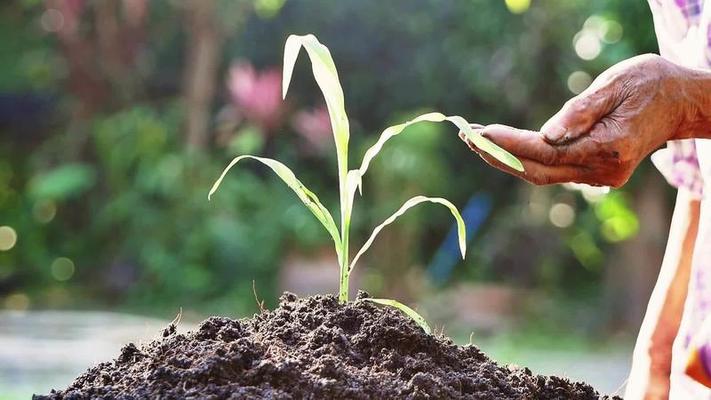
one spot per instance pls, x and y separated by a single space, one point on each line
110 183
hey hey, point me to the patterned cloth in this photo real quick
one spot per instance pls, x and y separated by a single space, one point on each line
684 34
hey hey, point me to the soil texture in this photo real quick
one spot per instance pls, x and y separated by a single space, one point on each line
312 348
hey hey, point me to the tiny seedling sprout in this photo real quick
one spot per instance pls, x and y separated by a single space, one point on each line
350 181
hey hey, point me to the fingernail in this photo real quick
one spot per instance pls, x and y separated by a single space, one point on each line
554 133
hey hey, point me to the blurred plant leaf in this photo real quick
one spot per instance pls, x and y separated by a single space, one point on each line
63 182
461 228
407 310
305 195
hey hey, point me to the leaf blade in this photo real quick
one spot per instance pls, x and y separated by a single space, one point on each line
461 228
306 196
486 145
326 75
478 140
420 320
392 131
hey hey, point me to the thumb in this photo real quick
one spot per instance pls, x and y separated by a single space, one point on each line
578 116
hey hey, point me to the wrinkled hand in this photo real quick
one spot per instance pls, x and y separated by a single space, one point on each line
600 136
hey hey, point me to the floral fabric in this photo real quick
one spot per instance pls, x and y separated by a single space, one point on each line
683 30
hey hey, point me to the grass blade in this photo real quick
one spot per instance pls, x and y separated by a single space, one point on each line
461 229
324 70
480 141
486 145
394 130
407 310
305 195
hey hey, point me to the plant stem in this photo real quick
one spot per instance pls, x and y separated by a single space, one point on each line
343 264
345 222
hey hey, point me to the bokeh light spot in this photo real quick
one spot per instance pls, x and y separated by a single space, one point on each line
44 211
596 24
587 45
579 81
518 6
62 269
17 302
8 238
561 215
268 8
613 32
52 20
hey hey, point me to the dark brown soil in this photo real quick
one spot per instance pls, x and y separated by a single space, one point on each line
312 348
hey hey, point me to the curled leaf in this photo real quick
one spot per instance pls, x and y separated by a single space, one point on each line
478 140
461 228
309 199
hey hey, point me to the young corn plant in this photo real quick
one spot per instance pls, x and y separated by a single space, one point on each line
350 181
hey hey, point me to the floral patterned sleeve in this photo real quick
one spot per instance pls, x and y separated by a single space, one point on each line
679 164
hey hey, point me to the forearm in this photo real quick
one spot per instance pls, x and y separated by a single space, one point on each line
677 258
651 365
696 95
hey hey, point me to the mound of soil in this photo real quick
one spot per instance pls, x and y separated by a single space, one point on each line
312 348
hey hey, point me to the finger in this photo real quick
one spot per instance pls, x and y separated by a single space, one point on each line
464 137
579 114
522 143
541 174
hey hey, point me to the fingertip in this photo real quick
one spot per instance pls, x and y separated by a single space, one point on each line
494 131
555 133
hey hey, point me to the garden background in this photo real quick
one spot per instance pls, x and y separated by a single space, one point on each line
117 116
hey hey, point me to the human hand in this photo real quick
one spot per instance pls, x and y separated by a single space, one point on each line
600 136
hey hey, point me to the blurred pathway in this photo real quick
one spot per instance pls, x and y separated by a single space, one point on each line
41 350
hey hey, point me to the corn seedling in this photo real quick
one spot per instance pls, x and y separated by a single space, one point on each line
350 181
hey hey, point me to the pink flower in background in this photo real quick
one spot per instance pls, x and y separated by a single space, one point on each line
256 94
314 126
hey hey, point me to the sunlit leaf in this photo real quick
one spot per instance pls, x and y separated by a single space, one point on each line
305 195
480 141
461 229
407 310
353 182
324 70
389 132
486 145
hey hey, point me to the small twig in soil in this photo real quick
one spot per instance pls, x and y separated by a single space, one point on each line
471 339
256 298
178 318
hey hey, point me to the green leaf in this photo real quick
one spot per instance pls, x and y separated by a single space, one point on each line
324 70
394 130
486 145
480 141
305 195
461 229
407 310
